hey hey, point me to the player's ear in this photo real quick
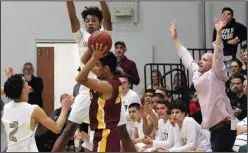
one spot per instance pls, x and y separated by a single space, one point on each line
105 68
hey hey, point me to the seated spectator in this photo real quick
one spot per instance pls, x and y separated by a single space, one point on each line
243 57
239 104
156 79
241 139
164 136
128 95
245 87
148 95
194 108
136 115
164 91
188 133
45 138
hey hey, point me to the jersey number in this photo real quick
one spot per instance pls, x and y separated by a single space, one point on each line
13 125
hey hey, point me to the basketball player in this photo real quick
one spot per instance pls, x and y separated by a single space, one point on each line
93 19
20 119
105 106
209 79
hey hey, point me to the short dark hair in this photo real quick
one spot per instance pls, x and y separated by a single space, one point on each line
244 47
61 97
227 9
136 105
13 87
110 60
159 95
238 76
28 63
94 11
122 43
165 102
178 104
237 61
150 90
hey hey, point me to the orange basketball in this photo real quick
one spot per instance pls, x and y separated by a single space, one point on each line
100 37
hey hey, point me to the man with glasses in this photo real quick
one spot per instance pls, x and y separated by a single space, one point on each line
36 83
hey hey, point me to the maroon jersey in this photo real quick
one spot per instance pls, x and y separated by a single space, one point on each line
105 114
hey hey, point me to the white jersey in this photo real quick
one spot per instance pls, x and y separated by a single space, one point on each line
17 122
139 126
130 97
190 136
164 137
242 138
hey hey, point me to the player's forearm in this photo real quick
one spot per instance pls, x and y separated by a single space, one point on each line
126 141
107 24
75 24
177 42
62 119
154 118
83 75
146 129
218 39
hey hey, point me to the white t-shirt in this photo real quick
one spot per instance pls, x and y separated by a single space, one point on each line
165 137
190 136
139 126
242 138
17 122
130 97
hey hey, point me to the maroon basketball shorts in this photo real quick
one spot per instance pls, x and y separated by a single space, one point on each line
106 140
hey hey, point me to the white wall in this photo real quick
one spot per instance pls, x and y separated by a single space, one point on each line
23 22
65 70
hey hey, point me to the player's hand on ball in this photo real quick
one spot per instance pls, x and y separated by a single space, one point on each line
98 51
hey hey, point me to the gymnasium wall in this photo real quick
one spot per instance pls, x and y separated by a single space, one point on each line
22 23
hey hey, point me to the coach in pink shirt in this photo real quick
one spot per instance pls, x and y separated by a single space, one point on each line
209 79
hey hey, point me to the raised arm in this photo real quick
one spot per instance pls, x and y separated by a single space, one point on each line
56 127
182 52
107 24
75 24
218 65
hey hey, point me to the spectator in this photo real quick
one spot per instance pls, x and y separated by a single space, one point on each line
243 57
128 95
232 34
36 83
164 137
188 134
241 139
245 86
239 104
156 80
126 66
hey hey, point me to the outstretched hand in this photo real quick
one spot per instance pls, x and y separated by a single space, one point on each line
9 72
98 51
173 29
220 24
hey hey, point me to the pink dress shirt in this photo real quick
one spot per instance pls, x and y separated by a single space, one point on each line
210 87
